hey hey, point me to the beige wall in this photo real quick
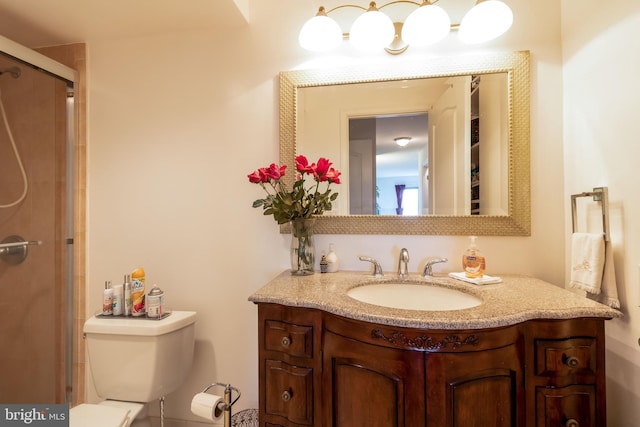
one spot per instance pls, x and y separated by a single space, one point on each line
600 69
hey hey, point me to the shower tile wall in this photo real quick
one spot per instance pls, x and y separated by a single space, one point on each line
31 293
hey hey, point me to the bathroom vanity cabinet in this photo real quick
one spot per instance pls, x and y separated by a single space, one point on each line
530 354
323 369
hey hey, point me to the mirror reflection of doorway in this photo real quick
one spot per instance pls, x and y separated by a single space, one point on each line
378 164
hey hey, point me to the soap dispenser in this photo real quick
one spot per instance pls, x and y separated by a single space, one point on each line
332 260
473 262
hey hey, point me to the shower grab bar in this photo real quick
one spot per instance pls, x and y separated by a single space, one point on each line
599 194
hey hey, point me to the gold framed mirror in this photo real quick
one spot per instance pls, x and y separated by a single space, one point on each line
517 221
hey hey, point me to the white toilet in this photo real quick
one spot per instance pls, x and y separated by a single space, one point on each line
134 362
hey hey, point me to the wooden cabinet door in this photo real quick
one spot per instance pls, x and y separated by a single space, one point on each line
475 389
370 386
572 406
290 392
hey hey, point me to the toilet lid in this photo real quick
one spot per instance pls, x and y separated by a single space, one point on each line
89 415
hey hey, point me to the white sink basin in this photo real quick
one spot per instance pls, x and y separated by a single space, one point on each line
414 296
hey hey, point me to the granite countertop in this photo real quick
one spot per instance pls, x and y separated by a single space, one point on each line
516 299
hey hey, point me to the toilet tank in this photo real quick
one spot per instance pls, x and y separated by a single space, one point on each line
140 360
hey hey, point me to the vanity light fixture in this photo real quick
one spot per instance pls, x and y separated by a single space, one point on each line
428 24
402 141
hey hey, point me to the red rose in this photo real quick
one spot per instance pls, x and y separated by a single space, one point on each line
322 169
255 177
274 171
303 166
333 176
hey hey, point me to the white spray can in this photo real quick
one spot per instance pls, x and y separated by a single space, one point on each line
127 295
107 299
154 302
118 300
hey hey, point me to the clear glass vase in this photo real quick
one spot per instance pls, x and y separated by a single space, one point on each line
302 247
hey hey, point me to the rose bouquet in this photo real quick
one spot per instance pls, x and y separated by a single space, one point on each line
298 204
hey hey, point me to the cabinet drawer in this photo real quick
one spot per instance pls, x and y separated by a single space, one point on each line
289 391
565 357
572 406
295 340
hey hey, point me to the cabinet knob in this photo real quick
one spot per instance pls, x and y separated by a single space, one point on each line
570 361
286 341
572 423
286 396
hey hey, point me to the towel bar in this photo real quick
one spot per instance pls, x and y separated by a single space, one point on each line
599 194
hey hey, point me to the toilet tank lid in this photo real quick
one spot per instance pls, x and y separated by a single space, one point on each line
141 327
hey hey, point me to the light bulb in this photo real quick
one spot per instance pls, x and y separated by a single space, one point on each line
485 21
402 141
372 30
320 33
426 25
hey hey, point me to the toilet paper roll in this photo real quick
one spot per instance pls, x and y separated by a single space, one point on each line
207 406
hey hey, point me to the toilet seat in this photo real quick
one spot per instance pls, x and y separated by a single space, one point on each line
87 414
109 413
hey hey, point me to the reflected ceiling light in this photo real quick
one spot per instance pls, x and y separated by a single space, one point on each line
402 141
428 24
373 30
320 33
485 21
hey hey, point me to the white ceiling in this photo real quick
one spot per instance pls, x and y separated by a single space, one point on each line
36 23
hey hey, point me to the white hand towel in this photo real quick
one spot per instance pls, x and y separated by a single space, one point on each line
587 262
608 290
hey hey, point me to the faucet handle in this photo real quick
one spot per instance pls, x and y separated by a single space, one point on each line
428 268
377 269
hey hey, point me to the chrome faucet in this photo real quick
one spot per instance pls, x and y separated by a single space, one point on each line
377 269
428 269
403 263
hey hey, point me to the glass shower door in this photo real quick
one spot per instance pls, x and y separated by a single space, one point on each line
34 205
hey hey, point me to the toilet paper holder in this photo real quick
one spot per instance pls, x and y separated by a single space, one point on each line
225 407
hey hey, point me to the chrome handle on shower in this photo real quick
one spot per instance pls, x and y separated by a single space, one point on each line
19 244
13 249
